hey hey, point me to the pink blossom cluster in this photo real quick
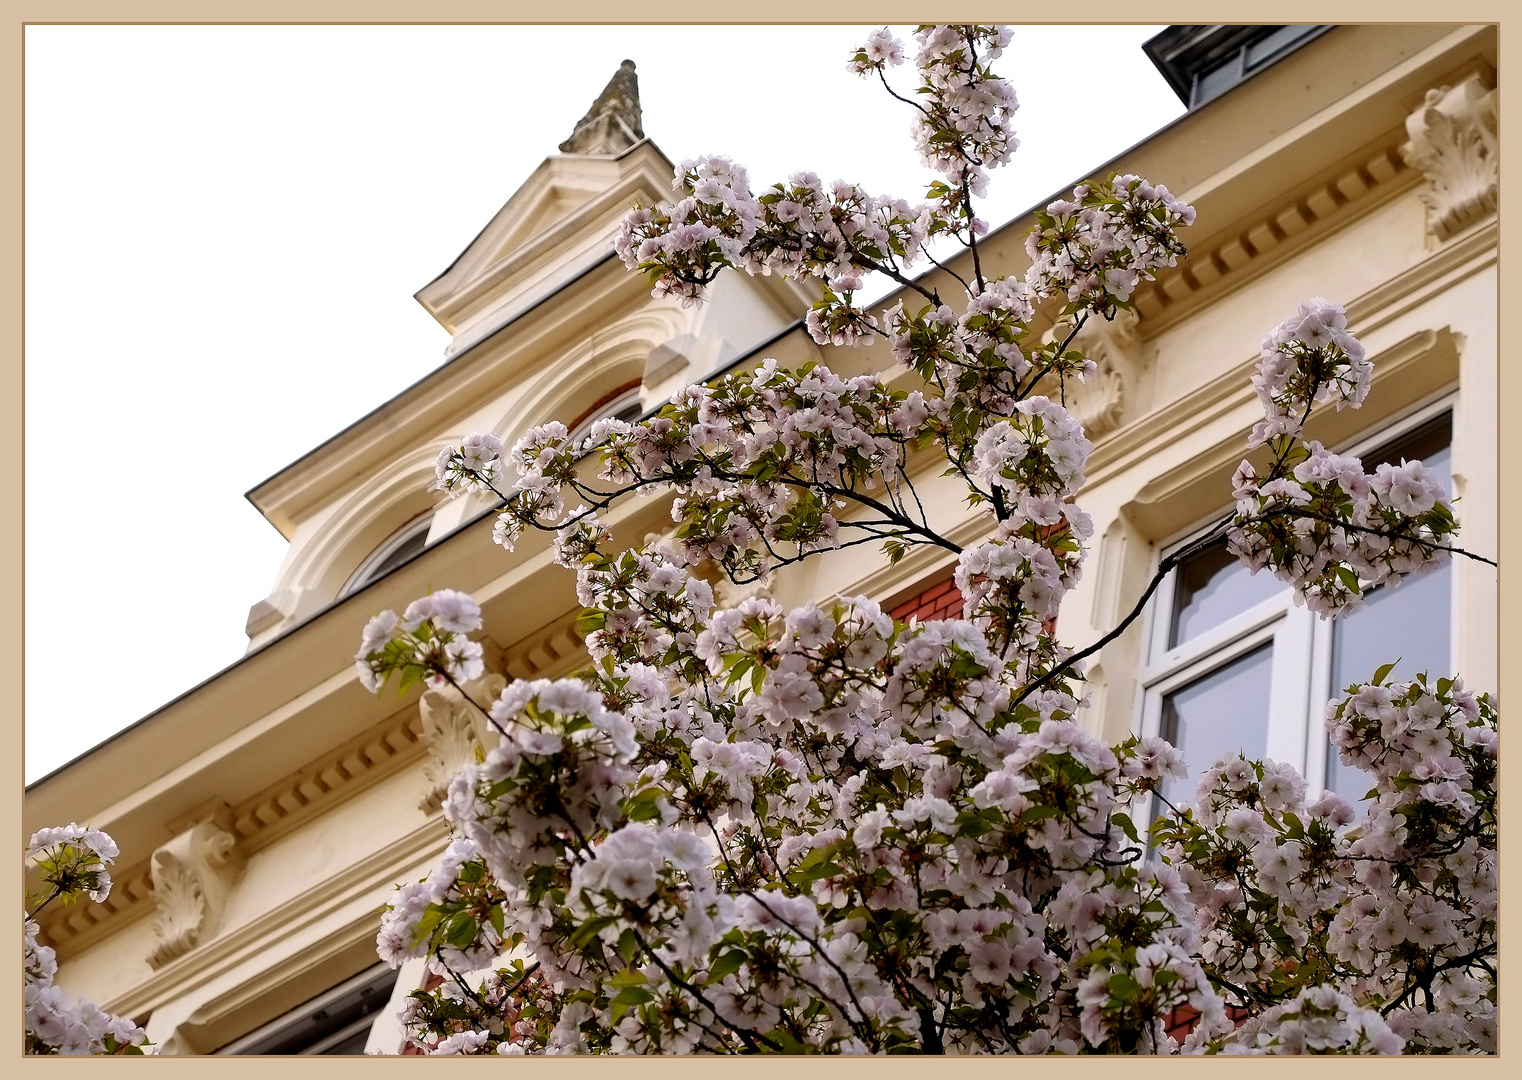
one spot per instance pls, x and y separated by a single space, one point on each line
70 861
773 795
750 828
1394 907
764 461
1307 360
431 633
963 125
1320 1020
1317 519
1095 248
838 232
882 50
473 466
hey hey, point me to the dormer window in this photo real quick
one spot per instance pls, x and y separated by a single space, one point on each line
400 546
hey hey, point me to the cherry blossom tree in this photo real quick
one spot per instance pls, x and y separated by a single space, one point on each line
70 863
745 829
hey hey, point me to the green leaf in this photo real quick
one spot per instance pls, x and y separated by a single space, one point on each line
628 948
1124 987
590 929
462 932
629 976
1127 826
726 965
1379 676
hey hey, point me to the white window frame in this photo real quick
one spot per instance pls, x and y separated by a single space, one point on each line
1300 682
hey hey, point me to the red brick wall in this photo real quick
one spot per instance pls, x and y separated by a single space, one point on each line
1181 1023
943 601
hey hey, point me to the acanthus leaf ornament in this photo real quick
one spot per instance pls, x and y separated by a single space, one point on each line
1453 142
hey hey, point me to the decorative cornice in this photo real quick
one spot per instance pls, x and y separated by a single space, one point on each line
376 871
255 823
550 653
1250 246
1453 143
337 775
71 928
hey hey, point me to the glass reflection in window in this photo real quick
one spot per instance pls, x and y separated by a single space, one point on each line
1222 713
1410 623
1212 587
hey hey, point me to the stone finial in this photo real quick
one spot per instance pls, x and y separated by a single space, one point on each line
452 729
1453 143
612 124
192 876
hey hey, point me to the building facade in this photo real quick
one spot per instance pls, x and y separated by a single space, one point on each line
265 817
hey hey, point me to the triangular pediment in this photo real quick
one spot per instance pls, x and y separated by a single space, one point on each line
555 196
571 205
562 214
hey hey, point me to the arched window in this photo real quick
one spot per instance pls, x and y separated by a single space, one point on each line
400 546
625 406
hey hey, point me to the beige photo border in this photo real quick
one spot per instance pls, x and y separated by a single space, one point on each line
18 14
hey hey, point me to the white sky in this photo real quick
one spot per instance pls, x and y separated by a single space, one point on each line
225 227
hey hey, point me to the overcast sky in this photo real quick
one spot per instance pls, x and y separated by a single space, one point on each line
225 227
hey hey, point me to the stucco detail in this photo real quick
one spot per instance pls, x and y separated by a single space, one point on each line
192 876
1098 403
452 729
1453 143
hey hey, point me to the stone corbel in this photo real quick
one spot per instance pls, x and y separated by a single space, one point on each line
452 729
269 611
1099 402
192 876
1453 143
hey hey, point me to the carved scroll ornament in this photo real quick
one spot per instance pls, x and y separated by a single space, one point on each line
1099 401
1453 142
452 729
192 876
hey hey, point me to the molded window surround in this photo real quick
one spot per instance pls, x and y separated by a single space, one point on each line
334 1022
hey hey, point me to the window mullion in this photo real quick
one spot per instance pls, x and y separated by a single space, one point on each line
1288 694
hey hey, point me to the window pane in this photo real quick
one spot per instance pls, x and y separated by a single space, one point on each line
1223 713
1212 587
335 1022
1409 623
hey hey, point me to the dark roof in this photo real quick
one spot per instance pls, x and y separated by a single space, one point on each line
1203 62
